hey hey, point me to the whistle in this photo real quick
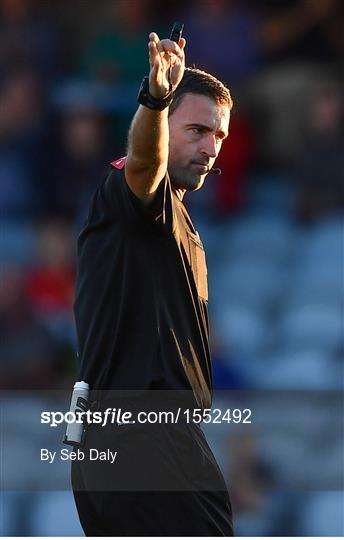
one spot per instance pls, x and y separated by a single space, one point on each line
176 32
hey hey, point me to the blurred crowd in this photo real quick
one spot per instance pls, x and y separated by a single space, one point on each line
272 222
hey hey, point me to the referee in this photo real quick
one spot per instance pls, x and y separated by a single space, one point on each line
141 315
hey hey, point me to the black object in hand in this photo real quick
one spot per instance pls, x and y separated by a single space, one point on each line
177 30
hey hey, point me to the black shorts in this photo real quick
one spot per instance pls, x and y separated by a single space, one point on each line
164 482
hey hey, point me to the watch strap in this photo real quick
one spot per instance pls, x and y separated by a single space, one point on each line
146 99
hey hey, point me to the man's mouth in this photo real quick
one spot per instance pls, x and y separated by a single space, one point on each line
203 167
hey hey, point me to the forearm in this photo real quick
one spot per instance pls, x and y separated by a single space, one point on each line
148 140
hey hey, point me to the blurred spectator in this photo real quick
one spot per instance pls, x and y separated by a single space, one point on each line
21 112
28 35
50 284
301 30
74 163
28 357
250 478
226 194
299 40
255 34
222 38
21 119
320 168
117 53
235 161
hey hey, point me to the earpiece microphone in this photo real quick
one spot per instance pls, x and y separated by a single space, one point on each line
216 171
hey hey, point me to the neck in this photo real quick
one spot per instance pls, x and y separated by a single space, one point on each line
179 192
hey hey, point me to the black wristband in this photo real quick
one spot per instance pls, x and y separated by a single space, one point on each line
146 99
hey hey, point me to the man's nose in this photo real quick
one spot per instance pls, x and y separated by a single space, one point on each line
209 146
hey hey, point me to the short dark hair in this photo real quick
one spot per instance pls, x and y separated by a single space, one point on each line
196 81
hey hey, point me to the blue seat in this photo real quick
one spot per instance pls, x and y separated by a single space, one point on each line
313 325
17 243
241 330
301 369
50 507
265 237
248 282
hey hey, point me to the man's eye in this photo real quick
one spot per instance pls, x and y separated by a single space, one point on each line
196 130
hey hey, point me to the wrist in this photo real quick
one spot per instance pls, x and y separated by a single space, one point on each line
156 92
148 99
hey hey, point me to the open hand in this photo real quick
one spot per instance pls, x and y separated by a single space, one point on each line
163 55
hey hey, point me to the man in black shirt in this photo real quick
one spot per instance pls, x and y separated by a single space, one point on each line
141 314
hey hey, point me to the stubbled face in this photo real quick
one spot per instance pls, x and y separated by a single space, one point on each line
197 129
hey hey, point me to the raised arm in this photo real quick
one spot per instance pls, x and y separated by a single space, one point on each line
148 139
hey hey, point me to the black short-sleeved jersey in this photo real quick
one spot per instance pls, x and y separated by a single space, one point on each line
141 295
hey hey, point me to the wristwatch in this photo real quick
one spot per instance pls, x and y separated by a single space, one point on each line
146 99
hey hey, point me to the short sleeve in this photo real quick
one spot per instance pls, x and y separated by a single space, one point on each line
126 206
